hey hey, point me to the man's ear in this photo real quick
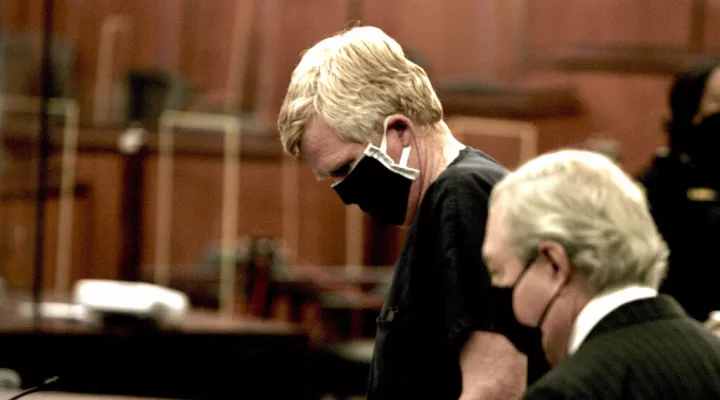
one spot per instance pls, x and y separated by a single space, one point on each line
555 253
401 125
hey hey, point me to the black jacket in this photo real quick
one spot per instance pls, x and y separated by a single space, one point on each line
646 349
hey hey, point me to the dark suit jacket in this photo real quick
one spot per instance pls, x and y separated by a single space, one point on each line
645 349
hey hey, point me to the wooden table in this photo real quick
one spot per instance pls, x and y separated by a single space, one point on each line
208 357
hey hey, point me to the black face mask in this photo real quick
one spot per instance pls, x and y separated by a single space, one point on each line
378 185
527 339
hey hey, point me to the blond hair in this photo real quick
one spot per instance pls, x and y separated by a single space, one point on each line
585 202
352 81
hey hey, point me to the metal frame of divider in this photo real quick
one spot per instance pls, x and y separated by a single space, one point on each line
231 127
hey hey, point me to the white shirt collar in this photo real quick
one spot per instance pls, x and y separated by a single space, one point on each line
602 305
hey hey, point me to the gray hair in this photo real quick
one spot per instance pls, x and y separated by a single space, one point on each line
586 203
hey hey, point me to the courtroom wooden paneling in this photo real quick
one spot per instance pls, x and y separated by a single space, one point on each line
197 210
627 107
81 22
196 217
610 22
80 253
94 242
712 26
12 14
211 32
483 40
102 174
504 38
17 239
193 38
447 36
624 107
288 27
18 232
197 203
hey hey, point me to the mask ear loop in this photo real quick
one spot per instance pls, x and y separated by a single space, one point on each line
383 143
404 156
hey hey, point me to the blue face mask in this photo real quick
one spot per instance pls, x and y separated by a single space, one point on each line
378 185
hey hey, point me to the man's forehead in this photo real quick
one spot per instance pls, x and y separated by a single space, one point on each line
317 139
316 133
324 150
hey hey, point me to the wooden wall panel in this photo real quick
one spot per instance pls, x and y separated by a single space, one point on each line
478 39
447 36
610 22
91 252
287 28
17 242
208 41
624 107
383 14
193 38
197 203
12 14
82 22
503 37
322 221
627 108
34 14
428 42
196 218
197 208
195 183
102 173
80 266
712 26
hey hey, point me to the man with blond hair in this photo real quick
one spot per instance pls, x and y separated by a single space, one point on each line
571 237
366 118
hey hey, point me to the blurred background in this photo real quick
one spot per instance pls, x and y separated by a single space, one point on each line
139 145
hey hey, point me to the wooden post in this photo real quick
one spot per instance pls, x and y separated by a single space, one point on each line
132 146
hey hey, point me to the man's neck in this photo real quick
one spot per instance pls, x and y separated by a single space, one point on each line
557 335
435 162
436 150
